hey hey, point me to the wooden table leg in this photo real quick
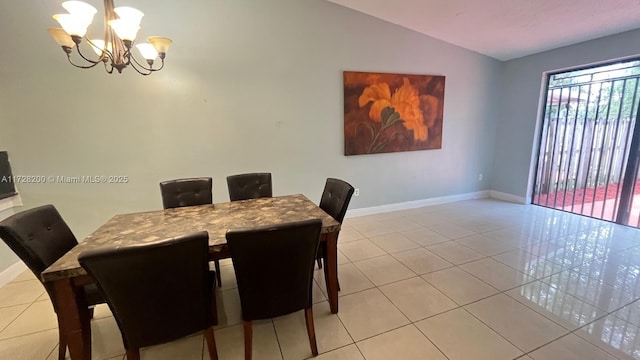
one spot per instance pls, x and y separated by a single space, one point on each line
73 318
331 271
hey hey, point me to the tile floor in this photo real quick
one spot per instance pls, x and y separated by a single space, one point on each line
479 279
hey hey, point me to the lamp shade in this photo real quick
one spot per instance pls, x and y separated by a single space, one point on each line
124 29
147 50
72 24
61 37
129 14
161 44
82 10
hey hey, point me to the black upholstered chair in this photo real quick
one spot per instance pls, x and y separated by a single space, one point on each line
335 201
189 192
158 292
249 186
39 237
274 269
186 192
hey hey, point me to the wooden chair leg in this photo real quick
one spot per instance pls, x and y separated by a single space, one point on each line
326 274
218 276
133 354
62 346
211 343
248 340
214 308
319 260
311 330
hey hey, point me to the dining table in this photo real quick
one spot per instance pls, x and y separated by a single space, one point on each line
69 278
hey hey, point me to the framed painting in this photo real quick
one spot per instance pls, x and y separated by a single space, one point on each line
392 112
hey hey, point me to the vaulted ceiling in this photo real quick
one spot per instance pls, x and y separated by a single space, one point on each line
506 29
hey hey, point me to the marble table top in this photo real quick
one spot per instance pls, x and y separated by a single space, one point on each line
216 219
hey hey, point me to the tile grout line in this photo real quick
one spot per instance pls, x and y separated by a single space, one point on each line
275 332
534 279
561 269
607 313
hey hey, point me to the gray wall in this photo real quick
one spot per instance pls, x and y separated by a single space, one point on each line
516 137
249 86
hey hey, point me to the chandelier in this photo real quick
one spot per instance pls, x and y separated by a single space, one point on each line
121 26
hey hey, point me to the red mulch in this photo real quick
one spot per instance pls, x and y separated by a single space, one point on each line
589 195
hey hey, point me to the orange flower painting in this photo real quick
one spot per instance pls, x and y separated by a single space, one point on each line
392 112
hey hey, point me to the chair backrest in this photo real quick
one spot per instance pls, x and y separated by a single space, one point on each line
336 197
39 237
249 186
274 267
157 292
186 192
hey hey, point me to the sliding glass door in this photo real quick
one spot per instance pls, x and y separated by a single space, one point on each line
588 160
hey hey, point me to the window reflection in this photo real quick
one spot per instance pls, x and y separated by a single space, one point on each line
585 272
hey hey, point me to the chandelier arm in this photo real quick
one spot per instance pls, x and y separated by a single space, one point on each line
82 66
133 65
108 70
149 69
161 65
94 62
131 57
106 54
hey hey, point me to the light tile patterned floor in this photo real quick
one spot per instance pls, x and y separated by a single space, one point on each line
479 279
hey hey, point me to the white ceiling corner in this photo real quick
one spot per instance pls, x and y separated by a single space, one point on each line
506 29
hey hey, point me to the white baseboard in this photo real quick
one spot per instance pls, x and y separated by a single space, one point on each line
415 204
508 197
12 272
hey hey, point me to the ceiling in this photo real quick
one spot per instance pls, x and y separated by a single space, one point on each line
506 29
